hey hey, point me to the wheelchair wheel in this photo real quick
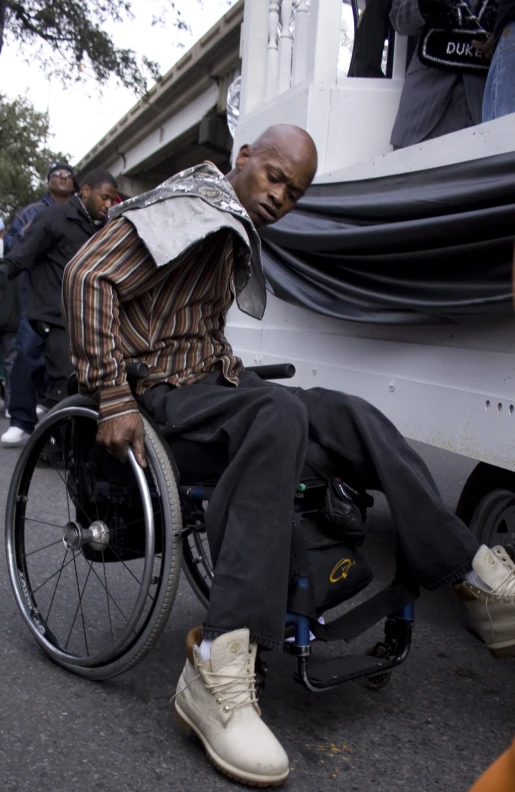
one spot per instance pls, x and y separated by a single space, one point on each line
382 679
197 562
93 545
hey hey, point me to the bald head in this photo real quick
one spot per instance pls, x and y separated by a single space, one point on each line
289 141
271 174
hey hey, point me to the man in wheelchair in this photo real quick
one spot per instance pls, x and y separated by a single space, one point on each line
155 286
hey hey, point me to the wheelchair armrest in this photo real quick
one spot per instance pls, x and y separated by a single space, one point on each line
135 371
274 371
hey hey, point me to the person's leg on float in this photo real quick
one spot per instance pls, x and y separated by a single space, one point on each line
248 523
436 546
499 97
372 31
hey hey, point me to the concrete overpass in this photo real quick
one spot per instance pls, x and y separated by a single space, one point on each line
182 119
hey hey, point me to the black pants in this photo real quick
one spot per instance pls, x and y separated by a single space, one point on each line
367 53
58 364
265 429
51 348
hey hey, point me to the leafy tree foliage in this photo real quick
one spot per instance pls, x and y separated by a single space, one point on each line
69 36
24 155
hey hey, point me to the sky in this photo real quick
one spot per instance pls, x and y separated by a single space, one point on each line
82 113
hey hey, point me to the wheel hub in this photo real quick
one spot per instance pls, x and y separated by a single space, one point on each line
75 536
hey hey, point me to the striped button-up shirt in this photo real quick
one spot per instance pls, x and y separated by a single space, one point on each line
119 306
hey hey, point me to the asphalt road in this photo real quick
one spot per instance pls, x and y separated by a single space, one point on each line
446 715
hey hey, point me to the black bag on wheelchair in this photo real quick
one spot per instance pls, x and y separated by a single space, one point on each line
337 570
327 535
343 512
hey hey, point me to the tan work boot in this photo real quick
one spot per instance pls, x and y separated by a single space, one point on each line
492 613
216 699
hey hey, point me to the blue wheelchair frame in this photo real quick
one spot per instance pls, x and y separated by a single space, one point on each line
326 674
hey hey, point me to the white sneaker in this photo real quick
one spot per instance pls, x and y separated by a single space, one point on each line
41 410
492 613
14 437
7 414
216 699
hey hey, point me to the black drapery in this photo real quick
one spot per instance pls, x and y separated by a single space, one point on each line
426 247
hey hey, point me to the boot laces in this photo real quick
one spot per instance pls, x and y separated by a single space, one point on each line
235 690
226 688
507 587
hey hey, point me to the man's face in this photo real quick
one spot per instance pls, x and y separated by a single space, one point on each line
270 182
98 200
61 183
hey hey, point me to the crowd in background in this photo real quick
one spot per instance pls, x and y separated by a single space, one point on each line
38 243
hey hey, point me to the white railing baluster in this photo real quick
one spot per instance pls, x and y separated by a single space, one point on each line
300 42
285 46
272 84
325 20
254 58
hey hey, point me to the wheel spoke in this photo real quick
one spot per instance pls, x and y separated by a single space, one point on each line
57 470
34 591
130 571
42 522
109 594
106 515
67 494
52 544
137 553
107 598
79 605
63 449
78 463
57 583
133 522
81 507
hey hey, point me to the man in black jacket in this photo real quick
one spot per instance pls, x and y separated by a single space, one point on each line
28 369
51 241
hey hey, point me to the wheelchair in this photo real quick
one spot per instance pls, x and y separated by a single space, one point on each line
95 549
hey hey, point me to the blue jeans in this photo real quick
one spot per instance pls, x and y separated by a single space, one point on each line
499 98
8 354
27 377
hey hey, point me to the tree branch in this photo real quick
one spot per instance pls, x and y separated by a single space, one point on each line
74 30
3 9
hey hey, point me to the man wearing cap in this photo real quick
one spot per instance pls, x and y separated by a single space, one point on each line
28 370
61 186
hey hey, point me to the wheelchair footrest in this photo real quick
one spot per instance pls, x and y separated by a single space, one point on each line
318 675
